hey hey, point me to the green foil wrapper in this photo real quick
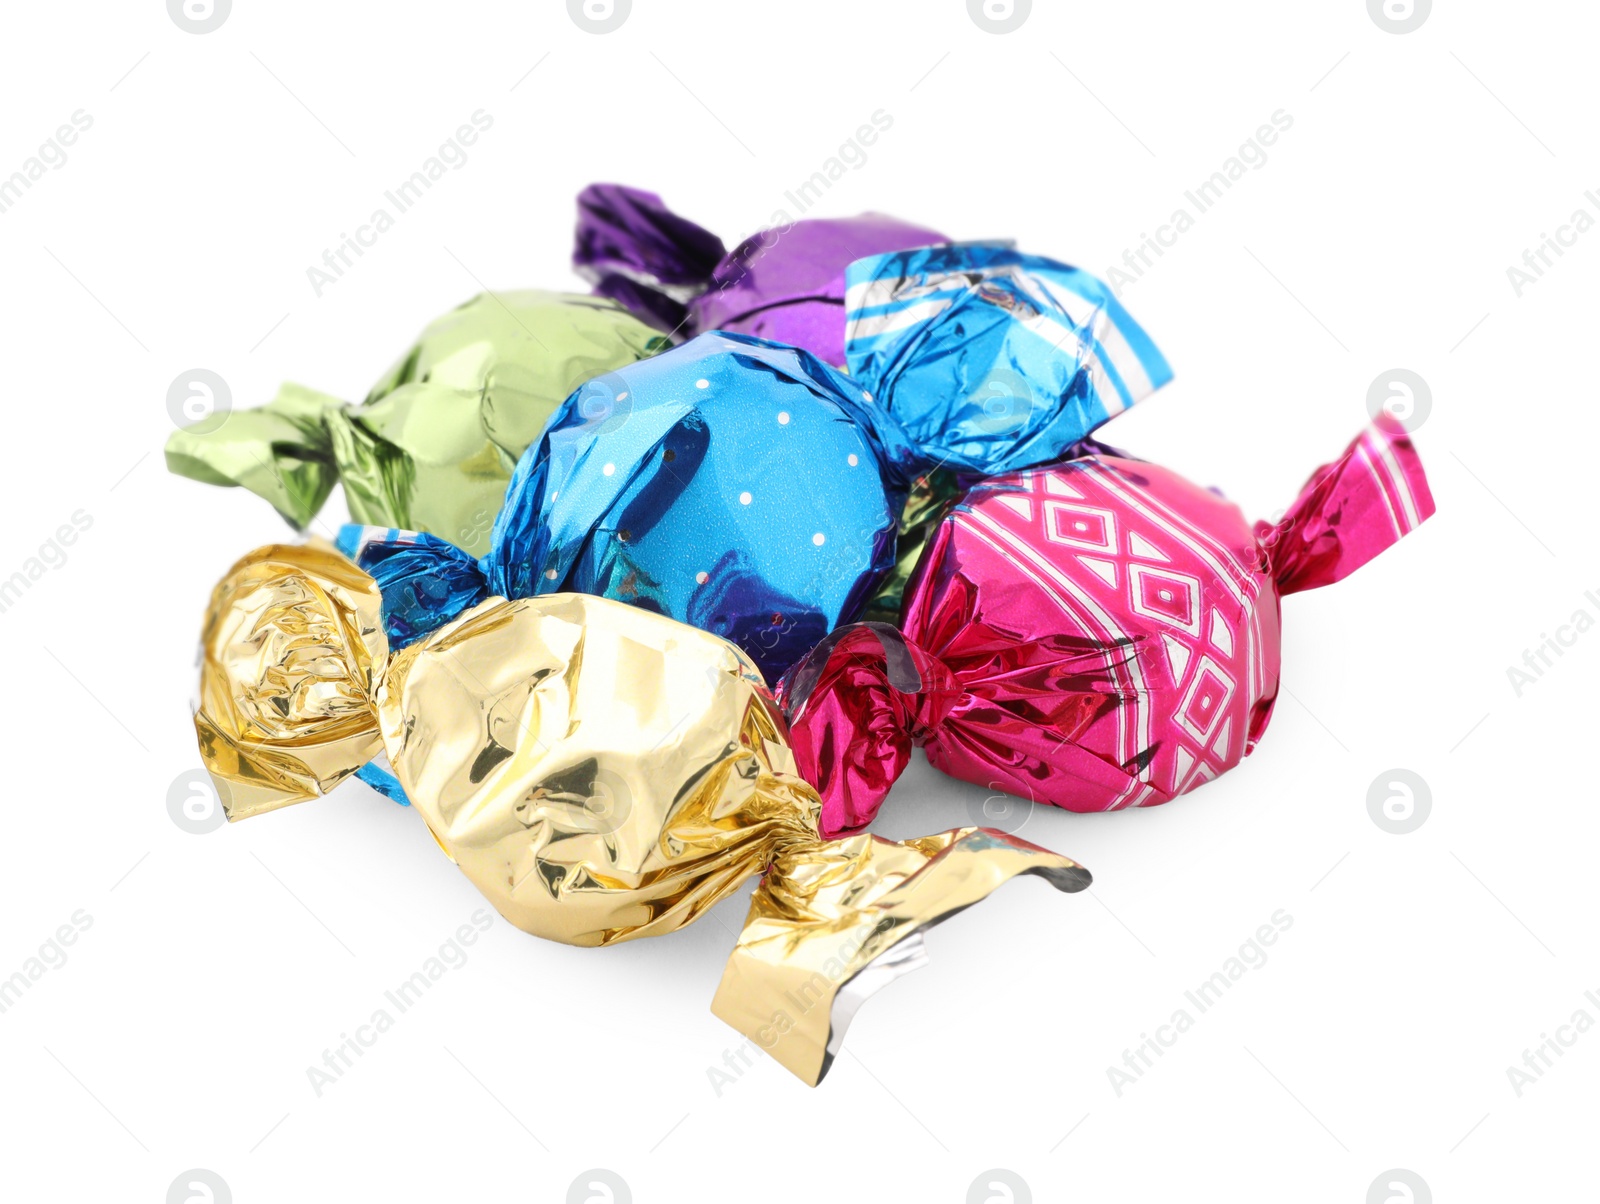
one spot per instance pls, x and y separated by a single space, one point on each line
931 494
434 443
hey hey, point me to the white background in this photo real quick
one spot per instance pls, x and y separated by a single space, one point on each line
1378 234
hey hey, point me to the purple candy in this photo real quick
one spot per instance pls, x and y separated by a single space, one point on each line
786 283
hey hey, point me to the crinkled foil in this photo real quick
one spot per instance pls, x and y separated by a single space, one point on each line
832 921
992 360
603 773
931 494
278 451
434 443
599 772
292 649
1096 634
930 498
737 485
785 283
749 489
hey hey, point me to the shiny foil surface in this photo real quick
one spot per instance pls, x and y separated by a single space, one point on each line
603 773
740 486
930 495
835 921
1096 634
745 487
599 772
291 653
434 443
992 360
786 283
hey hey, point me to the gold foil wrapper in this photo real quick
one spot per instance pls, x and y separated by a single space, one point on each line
292 649
599 772
602 773
833 921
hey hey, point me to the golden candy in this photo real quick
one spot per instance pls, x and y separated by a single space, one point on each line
292 648
835 920
601 773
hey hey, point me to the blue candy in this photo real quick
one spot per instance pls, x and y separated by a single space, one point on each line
990 359
749 489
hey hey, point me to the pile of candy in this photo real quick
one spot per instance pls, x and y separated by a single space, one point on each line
849 461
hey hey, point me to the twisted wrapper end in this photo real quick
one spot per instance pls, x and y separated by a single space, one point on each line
599 772
281 452
642 255
856 704
832 923
1375 494
291 654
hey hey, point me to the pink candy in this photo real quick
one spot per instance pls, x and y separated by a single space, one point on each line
1096 634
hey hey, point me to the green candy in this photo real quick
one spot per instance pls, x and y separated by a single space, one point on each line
279 451
931 496
435 442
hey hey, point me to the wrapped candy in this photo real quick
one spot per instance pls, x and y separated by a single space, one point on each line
1096 634
434 443
786 283
751 490
290 660
739 486
999 328
599 772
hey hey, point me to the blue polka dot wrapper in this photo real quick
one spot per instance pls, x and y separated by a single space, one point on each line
751 490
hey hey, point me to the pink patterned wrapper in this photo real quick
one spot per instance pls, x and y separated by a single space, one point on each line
1097 634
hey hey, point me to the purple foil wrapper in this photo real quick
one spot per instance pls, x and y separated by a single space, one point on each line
785 283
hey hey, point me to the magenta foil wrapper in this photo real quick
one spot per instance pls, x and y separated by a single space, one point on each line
1096 634
785 283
